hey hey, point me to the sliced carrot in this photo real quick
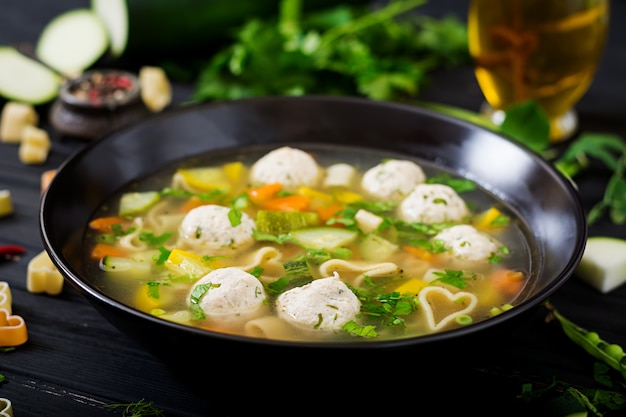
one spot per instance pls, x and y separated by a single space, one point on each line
289 203
328 212
265 192
191 204
419 252
507 281
105 224
101 250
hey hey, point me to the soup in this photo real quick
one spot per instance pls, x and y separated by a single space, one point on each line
306 243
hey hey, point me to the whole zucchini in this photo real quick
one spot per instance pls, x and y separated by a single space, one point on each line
173 28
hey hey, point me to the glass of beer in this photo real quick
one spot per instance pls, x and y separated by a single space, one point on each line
542 50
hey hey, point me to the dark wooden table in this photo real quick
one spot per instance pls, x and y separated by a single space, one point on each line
75 363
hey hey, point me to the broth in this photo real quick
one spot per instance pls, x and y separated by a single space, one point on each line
350 243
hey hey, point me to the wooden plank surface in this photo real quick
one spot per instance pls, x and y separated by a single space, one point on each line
76 363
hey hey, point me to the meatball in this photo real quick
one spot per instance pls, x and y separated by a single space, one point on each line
432 203
323 304
207 230
466 243
392 180
228 292
291 167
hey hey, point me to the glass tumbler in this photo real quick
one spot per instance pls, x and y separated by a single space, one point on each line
542 50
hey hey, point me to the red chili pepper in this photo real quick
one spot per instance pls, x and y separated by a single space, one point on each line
11 252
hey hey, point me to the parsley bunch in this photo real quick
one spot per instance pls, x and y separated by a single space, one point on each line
382 54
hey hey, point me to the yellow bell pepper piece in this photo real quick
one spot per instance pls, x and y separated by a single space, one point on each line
187 263
234 171
485 220
143 301
206 178
412 286
346 197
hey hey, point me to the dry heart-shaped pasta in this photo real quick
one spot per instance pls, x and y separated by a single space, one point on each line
12 330
5 296
442 307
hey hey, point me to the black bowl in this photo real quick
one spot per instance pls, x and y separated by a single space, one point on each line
545 200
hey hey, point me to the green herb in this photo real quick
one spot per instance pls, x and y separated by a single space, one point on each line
213 196
153 288
256 271
614 199
383 54
117 232
460 185
153 240
430 245
385 309
376 207
604 147
141 408
196 295
356 329
501 220
163 255
457 279
496 258
234 217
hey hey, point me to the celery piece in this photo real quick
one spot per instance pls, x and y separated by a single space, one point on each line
281 222
137 202
323 237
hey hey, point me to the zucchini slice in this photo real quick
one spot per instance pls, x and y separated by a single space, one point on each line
280 222
137 202
323 237
114 15
25 80
72 42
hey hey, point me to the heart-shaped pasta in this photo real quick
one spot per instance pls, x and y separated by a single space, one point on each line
268 258
12 329
440 298
6 408
5 296
354 272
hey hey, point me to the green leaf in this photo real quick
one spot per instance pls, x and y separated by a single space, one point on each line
614 198
527 123
460 113
607 148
